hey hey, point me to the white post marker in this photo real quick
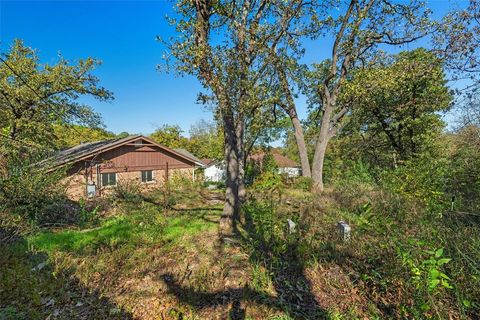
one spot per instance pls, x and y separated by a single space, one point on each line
291 227
345 230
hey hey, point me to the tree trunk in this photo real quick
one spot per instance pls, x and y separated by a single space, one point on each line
323 138
231 209
300 139
297 126
241 156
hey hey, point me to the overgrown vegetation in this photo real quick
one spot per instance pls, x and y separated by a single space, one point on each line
374 150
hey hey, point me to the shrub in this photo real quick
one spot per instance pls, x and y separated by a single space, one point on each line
128 191
268 181
30 191
303 183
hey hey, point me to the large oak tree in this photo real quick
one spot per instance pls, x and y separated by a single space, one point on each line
222 43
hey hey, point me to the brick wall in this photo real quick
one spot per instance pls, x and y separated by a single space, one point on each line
77 185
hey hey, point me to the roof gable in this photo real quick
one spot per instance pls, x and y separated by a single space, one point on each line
281 160
86 150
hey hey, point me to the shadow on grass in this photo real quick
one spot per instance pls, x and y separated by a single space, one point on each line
281 260
32 289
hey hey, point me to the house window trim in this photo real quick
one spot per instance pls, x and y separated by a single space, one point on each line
149 181
109 185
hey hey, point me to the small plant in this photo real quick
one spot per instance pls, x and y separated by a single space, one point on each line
86 216
268 181
128 191
428 272
261 281
303 183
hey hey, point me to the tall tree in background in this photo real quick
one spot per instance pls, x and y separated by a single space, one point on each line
72 135
170 136
458 43
396 105
363 26
35 97
221 44
206 140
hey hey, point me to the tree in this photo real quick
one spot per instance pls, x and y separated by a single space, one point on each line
70 136
206 140
284 66
358 32
465 168
35 97
221 43
170 136
396 104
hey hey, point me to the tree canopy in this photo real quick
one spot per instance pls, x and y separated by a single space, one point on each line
36 96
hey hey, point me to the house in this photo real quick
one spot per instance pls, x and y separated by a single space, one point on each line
214 170
184 152
94 168
286 166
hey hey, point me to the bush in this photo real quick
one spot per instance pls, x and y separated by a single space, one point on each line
268 181
30 191
128 191
303 183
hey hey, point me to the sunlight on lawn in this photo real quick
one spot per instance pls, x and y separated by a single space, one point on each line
131 230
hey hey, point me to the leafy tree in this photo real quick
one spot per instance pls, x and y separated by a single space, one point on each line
70 136
170 136
358 31
396 105
123 134
36 96
465 168
206 140
222 44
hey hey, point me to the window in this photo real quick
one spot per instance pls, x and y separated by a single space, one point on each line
109 179
147 176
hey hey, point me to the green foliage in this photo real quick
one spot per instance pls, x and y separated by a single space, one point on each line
143 226
129 191
206 140
427 273
73 135
170 136
87 216
464 170
268 181
36 96
303 183
396 106
28 190
262 171
423 180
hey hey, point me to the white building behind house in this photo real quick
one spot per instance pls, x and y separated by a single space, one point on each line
214 170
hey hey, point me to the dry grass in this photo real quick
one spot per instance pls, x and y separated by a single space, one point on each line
152 262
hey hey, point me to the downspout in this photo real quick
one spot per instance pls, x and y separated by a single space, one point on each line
98 180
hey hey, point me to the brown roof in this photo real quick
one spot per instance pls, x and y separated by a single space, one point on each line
280 160
207 161
86 150
188 154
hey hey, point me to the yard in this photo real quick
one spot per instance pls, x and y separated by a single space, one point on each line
139 259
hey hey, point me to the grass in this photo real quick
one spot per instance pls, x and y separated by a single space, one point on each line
150 262
30 288
86 264
137 229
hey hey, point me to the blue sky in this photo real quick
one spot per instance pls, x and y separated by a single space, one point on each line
122 35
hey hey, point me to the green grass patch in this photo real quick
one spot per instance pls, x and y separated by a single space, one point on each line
132 230
178 227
